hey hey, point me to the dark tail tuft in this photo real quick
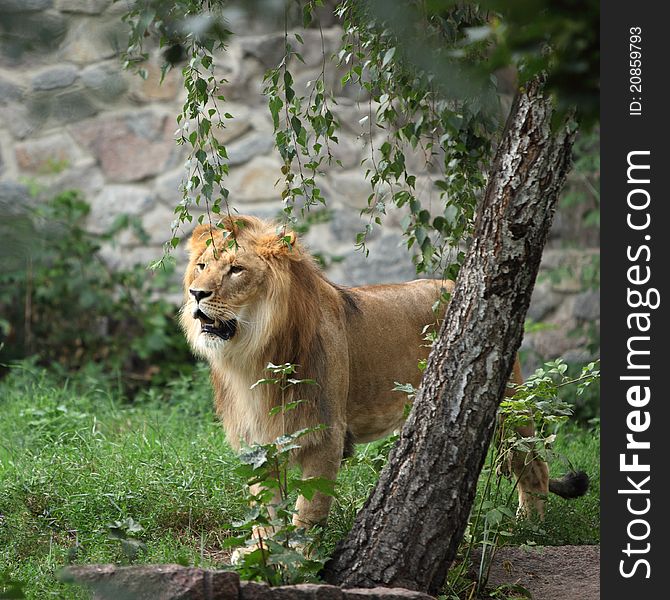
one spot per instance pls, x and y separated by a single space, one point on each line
571 485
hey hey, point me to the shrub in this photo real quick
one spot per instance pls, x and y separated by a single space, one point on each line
62 303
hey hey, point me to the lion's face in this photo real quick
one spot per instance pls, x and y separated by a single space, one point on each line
226 288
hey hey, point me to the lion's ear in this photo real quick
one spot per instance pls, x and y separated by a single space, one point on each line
274 245
198 240
289 239
236 223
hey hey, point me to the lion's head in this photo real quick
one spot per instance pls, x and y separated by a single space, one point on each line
236 285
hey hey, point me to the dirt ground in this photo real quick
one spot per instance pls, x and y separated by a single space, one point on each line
550 573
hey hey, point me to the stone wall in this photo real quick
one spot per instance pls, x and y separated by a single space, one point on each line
70 117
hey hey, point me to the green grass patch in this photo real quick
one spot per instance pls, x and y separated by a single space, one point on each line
76 457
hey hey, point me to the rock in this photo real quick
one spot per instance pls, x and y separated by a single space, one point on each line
250 146
92 39
50 153
350 187
31 32
571 258
154 582
156 224
382 593
347 151
587 306
350 113
115 200
19 6
268 211
130 147
250 590
551 343
105 81
26 118
543 301
13 197
269 49
166 186
236 71
72 106
89 7
56 77
570 265
255 181
152 89
232 128
307 591
117 256
387 262
172 582
9 91
83 176
577 356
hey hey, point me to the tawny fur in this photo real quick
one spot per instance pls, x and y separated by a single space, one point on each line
355 343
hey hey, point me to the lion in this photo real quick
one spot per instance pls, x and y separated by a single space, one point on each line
254 295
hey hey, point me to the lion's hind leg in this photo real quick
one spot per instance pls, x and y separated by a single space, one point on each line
532 479
530 471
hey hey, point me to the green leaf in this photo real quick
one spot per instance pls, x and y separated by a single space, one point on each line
308 487
256 456
388 56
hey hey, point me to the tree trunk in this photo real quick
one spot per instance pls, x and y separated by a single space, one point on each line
408 532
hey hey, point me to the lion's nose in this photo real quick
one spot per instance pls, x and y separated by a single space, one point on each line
199 294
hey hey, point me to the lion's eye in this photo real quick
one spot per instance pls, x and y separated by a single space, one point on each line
200 267
235 269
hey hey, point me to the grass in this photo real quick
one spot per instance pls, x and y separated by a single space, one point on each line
75 457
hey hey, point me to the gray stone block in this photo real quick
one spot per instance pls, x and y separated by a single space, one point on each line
72 106
248 147
21 6
587 306
255 180
117 200
172 582
39 32
14 197
105 81
25 118
92 39
387 262
9 91
151 582
57 77
45 153
544 300
89 7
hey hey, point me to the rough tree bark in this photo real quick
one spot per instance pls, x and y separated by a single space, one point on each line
407 533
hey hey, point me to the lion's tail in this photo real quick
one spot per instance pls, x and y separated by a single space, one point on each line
572 485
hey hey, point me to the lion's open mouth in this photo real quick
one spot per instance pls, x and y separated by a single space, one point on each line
223 329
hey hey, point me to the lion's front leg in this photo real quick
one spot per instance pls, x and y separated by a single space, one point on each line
259 533
318 461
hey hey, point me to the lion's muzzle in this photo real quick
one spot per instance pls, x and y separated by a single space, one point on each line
222 329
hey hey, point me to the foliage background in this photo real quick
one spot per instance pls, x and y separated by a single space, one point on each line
73 119
75 292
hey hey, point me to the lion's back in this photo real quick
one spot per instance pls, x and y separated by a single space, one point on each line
386 340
